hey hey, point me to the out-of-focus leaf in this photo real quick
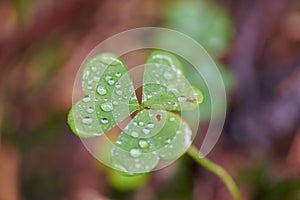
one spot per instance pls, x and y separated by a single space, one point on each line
205 22
125 183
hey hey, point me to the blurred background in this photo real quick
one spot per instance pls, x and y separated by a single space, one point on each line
256 45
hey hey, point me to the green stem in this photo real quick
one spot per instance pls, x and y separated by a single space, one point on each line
217 170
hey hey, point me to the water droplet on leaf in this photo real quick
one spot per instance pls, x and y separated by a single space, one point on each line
86 99
135 153
106 107
182 98
107 78
111 82
96 78
146 131
94 68
168 76
87 120
150 125
118 85
141 123
134 134
143 144
104 120
101 90
90 110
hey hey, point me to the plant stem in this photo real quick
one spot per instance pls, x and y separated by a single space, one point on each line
217 170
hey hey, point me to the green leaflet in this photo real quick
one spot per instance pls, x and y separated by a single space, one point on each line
165 86
151 136
110 97
155 134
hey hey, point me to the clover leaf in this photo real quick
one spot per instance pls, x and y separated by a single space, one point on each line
165 85
151 136
156 133
109 97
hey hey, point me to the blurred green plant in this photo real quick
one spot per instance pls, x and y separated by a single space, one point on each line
125 183
156 133
209 25
266 186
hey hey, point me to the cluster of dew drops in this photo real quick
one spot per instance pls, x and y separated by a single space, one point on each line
143 144
106 106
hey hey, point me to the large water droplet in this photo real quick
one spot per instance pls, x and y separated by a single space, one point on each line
134 134
141 123
111 82
118 74
118 85
146 131
107 78
135 153
86 99
150 125
168 76
87 120
172 119
90 110
101 90
106 107
181 98
143 144
104 120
